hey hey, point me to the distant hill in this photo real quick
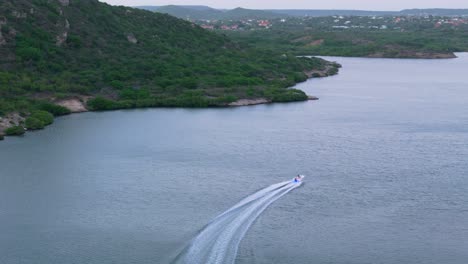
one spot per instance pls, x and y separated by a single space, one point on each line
243 13
435 12
207 13
149 8
204 12
194 7
191 12
325 12
409 12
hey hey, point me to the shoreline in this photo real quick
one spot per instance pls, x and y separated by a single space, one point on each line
76 107
416 56
259 101
78 103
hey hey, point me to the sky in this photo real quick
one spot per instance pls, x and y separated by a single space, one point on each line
389 5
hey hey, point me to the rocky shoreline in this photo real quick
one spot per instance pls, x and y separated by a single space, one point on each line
414 55
247 102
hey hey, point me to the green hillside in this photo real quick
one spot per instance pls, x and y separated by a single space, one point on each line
122 57
207 13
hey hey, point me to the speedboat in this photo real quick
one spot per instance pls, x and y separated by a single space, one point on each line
298 178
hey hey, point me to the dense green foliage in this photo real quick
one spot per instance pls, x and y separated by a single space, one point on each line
15 131
129 58
55 110
45 117
291 95
413 37
38 120
33 123
29 105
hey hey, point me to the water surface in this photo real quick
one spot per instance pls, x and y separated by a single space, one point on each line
384 151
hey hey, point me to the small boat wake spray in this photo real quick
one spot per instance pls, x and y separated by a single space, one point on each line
219 241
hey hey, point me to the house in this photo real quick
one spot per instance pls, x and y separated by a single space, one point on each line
263 23
207 26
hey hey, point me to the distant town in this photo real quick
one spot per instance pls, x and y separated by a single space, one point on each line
241 19
400 23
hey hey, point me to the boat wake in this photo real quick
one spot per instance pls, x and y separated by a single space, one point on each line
218 242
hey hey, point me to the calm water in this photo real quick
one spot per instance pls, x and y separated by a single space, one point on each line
385 152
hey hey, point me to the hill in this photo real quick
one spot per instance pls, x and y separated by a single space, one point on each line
149 8
208 13
329 12
338 12
435 12
243 13
120 57
190 12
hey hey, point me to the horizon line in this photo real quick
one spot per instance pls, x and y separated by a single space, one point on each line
318 9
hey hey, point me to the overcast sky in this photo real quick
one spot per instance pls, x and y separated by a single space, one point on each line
304 4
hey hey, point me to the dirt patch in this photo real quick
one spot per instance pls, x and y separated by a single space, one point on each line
12 119
75 105
245 102
317 42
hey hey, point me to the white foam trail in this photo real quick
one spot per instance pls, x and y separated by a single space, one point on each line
255 196
218 242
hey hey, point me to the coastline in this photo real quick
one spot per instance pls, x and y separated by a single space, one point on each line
259 101
414 55
400 55
76 106
78 103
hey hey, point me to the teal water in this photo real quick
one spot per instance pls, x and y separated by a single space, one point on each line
384 150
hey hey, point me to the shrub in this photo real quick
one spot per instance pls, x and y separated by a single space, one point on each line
300 77
286 95
34 123
101 104
15 131
45 117
332 71
28 53
56 110
1 137
316 75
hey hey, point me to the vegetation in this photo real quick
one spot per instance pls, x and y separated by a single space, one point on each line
402 37
45 117
125 57
55 110
207 13
413 33
15 131
33 123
